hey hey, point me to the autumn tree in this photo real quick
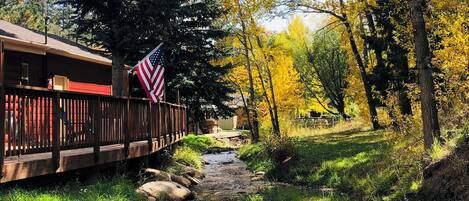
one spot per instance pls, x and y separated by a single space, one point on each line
321 64
431 127
338 10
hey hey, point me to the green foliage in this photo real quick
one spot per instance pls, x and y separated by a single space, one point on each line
117 188
321 64
188 156
130 29
255 157
202 143
440 151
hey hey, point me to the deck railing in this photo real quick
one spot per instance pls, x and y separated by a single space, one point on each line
39 120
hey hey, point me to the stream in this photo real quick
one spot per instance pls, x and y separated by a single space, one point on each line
226 178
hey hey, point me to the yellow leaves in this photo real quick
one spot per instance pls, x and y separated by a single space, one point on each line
267 57
449 23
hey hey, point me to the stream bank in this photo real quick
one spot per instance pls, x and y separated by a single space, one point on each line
227 178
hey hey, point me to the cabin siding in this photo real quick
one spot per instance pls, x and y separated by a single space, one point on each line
13 61
78 70
97 78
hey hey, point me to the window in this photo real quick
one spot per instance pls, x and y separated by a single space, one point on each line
60 82
24 73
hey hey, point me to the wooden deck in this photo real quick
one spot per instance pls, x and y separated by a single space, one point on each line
47 131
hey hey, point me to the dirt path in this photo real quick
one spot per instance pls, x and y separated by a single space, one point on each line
226 178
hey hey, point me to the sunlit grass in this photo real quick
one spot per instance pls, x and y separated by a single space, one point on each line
440 151
291 193
341 126
357 163
117 188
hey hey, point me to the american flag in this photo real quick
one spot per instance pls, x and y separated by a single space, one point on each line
150 72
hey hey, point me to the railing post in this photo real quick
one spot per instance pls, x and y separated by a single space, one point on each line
186 122
158 124
2 110
127 128
164 124
97 128
56 130
149 130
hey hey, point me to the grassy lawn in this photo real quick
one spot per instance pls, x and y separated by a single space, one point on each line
116 188
344 164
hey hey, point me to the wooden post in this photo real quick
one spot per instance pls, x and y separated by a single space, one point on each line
164 124
149 130
2 110
56 130
127 129
158 124
186 122
97 128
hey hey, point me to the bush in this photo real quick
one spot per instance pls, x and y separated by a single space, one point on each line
188 156
282 152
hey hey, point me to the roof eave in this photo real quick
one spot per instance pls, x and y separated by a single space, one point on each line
39 48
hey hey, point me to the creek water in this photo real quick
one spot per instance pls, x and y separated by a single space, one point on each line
226 178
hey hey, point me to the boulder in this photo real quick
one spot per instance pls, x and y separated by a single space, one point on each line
156 175
192 171
181 180
163 190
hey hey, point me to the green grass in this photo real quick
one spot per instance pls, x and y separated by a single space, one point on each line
255 157
291 193
189 156
358 164
202 143
190 153
117 188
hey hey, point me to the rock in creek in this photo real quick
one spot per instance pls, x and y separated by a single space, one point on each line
156 175
193 180
163 190
192 171
181 180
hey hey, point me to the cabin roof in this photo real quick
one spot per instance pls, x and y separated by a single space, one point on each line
21 39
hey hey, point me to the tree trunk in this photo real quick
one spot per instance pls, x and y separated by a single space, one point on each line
431 127
364 77
255 116
246 107
362 69
272 107
117 73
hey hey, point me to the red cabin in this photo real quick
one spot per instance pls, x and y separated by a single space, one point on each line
59 64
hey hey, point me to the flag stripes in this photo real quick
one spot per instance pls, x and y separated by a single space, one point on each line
150 72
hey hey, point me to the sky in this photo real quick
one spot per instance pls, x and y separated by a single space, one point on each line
278 24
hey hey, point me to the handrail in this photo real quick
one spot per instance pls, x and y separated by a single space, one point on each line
39 120
82 93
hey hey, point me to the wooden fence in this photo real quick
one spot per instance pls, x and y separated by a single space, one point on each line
38 120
